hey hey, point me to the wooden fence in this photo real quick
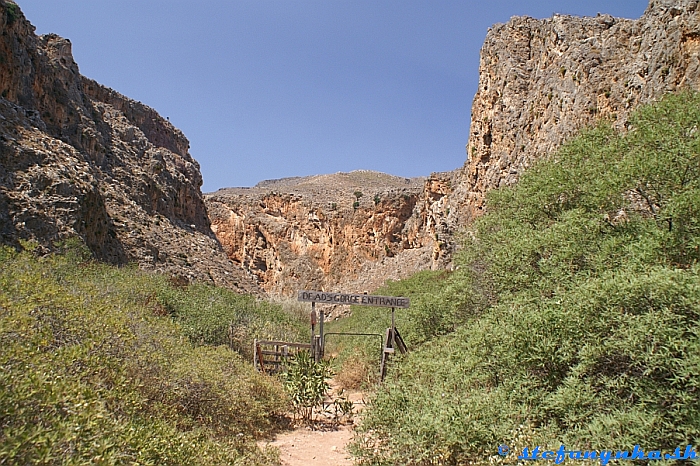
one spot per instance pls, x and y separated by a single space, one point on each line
270 356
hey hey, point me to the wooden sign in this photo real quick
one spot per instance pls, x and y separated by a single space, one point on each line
350 298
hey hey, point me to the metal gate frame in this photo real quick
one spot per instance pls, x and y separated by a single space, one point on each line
392 338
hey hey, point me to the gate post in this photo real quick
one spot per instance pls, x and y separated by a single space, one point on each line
320 330
255 353
313 331
393 329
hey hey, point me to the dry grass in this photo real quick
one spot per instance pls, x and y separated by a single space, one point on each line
356 373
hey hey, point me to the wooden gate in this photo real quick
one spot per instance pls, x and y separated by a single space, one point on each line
392 339
270 356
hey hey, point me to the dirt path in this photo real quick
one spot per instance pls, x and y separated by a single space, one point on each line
305 447
325 446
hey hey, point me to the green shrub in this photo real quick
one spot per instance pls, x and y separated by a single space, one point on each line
217 316
92 372
13 12
577 309
306 382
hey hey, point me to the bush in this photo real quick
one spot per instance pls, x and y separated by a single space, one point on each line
306 382
13 13
216 316
577 309
92 372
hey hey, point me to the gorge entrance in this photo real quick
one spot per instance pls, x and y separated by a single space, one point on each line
391 340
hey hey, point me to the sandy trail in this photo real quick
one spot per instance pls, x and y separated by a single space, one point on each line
324 446
305 447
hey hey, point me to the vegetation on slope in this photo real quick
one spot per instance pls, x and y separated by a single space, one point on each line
216 316
95 370
576 307
357 357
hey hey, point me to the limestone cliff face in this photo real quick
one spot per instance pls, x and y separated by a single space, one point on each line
77 158
541 81
344 231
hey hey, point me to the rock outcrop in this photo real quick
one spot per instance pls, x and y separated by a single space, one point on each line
349 231
542 81
77 158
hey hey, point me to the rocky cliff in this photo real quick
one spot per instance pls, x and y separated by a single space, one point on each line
350 231
77 158
541 81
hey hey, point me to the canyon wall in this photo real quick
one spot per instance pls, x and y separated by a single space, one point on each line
347 231
542 81
79 159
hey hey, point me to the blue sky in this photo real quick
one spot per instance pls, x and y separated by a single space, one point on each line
268 89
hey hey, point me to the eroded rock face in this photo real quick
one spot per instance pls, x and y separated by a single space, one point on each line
349 231
77 158
541 81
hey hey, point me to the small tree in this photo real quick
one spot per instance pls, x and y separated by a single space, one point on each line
306 381
358 195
